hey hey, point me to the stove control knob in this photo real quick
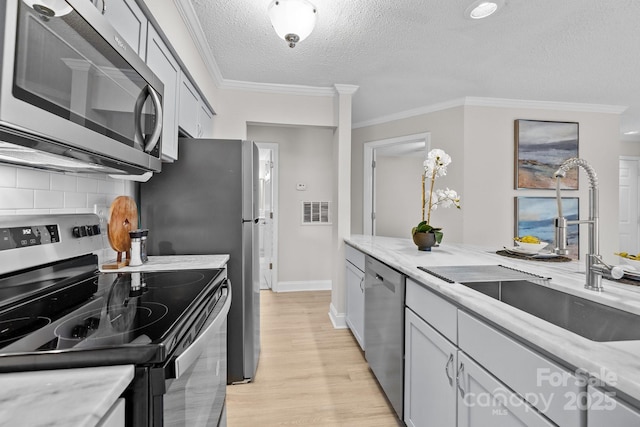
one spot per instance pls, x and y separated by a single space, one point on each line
89 230
96 229
76 232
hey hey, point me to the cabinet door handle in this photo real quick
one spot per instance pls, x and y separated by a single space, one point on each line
460 379
379 277
362 283
448 367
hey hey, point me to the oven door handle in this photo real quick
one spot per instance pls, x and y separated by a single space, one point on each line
183 362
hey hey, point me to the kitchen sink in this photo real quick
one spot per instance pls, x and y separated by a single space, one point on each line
592 320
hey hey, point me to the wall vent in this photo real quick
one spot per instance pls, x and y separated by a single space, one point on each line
316 212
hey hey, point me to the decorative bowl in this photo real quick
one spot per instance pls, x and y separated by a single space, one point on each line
531 247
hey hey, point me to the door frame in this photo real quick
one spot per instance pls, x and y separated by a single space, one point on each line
369 200
274 170
636 196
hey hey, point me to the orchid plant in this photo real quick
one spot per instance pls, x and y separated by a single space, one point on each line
435 166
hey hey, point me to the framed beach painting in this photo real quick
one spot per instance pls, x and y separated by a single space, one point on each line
541 147
534 216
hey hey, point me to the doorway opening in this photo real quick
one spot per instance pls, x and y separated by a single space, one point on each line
392 169
629 204
268 214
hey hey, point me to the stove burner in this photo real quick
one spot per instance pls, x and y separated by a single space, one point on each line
111 323
13 329
157 279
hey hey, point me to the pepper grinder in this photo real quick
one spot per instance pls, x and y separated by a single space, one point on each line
143 245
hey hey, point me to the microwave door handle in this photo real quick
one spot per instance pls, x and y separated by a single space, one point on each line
183 362
155 136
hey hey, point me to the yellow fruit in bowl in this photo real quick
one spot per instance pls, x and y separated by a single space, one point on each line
527 239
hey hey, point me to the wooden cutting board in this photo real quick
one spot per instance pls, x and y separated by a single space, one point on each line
123 218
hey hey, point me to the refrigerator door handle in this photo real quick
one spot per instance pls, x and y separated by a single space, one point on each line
250 220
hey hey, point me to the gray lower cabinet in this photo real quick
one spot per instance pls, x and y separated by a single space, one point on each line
605 410
129 20
461 371
355 302
485 401
164 65
354 275
430 365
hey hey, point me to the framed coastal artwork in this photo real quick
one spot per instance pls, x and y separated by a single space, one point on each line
541 147
534 216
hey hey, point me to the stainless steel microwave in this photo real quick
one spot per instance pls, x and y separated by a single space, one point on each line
72 87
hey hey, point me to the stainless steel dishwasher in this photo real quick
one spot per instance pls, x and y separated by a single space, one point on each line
384 328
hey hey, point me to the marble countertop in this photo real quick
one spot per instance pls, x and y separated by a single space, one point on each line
174 262
616 364
61 397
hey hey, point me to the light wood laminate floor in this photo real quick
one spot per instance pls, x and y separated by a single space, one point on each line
309 373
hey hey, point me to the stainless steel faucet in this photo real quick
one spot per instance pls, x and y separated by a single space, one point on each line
595 266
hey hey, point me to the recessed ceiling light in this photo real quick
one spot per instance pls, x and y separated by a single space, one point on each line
482 8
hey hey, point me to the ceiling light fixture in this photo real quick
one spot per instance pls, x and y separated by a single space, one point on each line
632 132
293 20
49 8
482 8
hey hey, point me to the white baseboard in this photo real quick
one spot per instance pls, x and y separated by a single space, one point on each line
308 285
338 319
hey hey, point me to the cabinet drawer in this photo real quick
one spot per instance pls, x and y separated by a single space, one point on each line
436 311
604 410
354 256
543 383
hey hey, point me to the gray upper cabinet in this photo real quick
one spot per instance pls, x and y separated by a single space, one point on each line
129 20
194 117
189 107
163 64
206 121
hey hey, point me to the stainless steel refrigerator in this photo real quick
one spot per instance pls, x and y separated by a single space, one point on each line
206 202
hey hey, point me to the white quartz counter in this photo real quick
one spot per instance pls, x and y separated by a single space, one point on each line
175 262
61 397
615 363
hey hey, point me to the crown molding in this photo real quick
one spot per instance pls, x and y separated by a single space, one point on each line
343 89
544 105
190 18
498 103
411 113
277 88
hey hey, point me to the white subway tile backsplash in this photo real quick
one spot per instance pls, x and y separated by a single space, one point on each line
48 199
96 199
87 185
7 176
62 182
105 187
33 178
16 198
75 200
31 191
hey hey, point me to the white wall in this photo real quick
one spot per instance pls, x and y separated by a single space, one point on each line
447 133
398 194
480 141
305 156
31 191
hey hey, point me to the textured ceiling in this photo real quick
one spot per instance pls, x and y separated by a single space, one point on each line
411 54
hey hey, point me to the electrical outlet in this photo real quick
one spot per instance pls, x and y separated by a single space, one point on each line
301 187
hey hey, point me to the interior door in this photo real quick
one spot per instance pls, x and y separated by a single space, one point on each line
266 219
628 199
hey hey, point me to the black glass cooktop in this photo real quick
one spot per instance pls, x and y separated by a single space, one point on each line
143 313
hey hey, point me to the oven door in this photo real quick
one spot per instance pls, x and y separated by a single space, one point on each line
196 396
69 77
